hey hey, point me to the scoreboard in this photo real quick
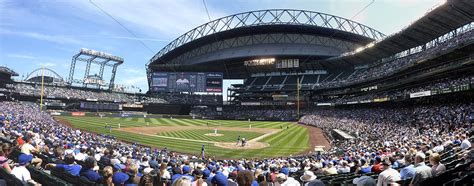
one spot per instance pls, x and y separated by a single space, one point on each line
186 82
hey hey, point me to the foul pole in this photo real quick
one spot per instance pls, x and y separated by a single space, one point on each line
297 96
42 88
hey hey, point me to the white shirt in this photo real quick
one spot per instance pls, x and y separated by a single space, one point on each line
290 182
465 144
21 173
68 151
27 148
80 156
439 148
388 177
344 170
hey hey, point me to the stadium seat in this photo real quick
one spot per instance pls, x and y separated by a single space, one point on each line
44 178
11 179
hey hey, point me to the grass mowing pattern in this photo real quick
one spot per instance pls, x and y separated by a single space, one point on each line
284 143
228 136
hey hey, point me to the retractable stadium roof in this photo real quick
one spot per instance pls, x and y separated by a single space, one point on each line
442 19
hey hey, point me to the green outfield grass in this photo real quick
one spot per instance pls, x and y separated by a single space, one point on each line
228 136
286 142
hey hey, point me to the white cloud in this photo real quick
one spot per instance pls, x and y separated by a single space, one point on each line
47 64
168 18
20 56
44 37
138 81
135 71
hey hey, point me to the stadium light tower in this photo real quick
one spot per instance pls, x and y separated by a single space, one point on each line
101 58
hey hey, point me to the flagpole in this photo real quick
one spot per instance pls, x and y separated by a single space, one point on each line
42 88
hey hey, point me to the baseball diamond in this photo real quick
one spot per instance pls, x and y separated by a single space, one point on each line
188 135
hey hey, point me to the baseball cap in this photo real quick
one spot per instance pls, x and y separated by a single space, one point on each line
24 159
119 178
285 171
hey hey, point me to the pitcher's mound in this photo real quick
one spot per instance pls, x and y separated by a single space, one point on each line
213 134
249 145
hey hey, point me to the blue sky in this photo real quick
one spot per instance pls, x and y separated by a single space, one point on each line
35 33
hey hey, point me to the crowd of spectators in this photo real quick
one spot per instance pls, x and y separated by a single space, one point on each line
386 140
244 112
78 94
396 94
193 99
386 68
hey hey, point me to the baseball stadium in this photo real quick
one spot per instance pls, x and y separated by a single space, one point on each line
313 99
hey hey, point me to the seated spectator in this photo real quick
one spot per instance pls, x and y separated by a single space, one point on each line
151 177
198 180
377 166
58 155
388 176
105 159
219 179
89 172
28 149
344 168
183 181
107 176
20 171
81 155
465 143
364 181
289 180
436 167
365 167
177 173
186 172
119 178
330 170
132 173
308 176
422 172
69 166
164 173
4 151
408 169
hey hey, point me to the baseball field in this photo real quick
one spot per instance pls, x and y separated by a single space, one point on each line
263 139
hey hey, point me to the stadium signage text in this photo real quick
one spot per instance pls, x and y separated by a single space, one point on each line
260 62
420 94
